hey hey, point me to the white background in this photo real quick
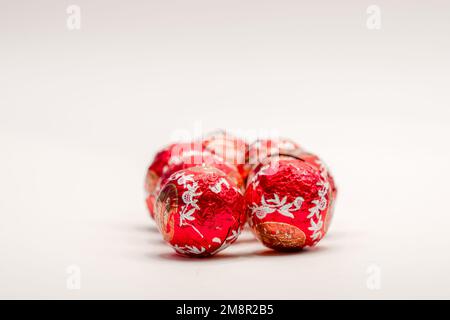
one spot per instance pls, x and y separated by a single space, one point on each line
82 113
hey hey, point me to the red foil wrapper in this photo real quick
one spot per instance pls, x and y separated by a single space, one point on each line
233 150
199 211
163 159
287 202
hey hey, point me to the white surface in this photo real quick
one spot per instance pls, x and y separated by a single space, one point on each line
81 114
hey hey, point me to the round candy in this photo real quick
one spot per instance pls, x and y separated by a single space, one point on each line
287 202
199 211
163 159
233 150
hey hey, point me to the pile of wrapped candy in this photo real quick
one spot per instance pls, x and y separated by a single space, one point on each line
203 193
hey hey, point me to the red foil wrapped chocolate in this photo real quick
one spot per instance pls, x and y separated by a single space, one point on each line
200 211
163 159
287 202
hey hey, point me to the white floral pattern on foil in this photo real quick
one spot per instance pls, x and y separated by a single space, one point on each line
276 205
229 240
217 188
189 198
189 208
315 212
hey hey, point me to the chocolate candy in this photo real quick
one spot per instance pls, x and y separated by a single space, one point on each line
200 211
